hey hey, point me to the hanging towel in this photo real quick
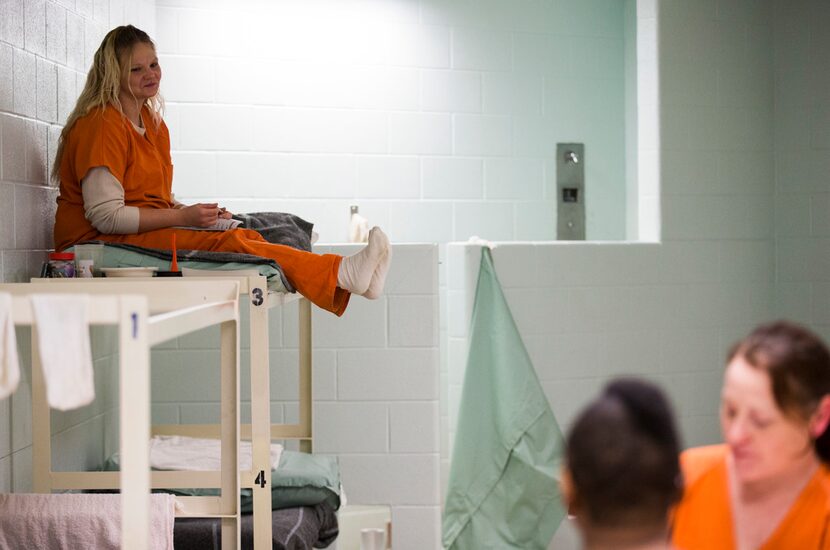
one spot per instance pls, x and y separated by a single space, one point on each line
503 489
65 355
68 521
9 367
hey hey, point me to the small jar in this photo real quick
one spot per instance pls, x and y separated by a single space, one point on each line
61 265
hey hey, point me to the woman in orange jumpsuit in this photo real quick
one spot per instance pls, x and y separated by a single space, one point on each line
115 173
768 486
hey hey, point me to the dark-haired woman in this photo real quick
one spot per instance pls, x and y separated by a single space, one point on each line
622 475
768 487
115 173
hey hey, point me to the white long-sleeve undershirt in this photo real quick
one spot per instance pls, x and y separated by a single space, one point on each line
104 203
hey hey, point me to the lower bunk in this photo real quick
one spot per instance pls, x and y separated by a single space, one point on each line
304 498
296 528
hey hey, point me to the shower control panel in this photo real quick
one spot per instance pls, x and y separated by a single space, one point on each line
570 187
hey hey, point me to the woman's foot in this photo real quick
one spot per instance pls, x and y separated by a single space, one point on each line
379 276
356 271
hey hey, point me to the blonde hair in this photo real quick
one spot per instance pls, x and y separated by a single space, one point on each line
103 83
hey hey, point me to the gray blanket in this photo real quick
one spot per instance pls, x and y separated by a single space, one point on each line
291 529
279 228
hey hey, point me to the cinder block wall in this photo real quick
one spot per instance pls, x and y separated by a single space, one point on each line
440 119
802 161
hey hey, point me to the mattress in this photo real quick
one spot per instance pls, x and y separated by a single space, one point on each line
120 255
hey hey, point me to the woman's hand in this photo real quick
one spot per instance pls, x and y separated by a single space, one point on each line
201 214
196 215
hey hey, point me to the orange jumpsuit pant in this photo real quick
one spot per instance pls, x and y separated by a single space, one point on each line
313 275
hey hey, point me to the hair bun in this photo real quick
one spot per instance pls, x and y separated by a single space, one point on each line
647 406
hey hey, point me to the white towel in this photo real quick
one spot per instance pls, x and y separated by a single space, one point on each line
9 366
476 240
175 452
358 229
64 521
65 355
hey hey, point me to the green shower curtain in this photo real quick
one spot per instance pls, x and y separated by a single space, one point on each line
503 489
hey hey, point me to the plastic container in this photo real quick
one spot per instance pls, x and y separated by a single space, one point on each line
61 265
89 259
83 268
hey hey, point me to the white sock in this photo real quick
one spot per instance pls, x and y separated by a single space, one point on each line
356 271
379 276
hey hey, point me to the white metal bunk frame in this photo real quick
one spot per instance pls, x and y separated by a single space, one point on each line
261 431
138 330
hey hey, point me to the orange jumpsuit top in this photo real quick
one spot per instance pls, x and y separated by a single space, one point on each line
143 166
703 519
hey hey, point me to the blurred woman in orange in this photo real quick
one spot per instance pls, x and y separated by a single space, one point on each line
768 486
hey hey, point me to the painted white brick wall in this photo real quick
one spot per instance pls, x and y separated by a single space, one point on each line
417 84
802 150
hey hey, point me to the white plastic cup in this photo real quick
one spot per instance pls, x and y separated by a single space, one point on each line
372 539
92 253
83 268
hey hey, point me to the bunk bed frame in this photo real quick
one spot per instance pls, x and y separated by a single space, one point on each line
164 294
138 330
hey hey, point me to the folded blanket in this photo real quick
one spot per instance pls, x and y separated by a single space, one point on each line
301 479
279 228
67 521
298 528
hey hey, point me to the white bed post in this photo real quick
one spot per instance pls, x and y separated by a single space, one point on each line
134 371
305 375
41 425
260 412
229 369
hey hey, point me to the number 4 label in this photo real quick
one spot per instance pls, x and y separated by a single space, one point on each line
260 479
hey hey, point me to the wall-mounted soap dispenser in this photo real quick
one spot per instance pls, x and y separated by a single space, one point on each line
570 189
